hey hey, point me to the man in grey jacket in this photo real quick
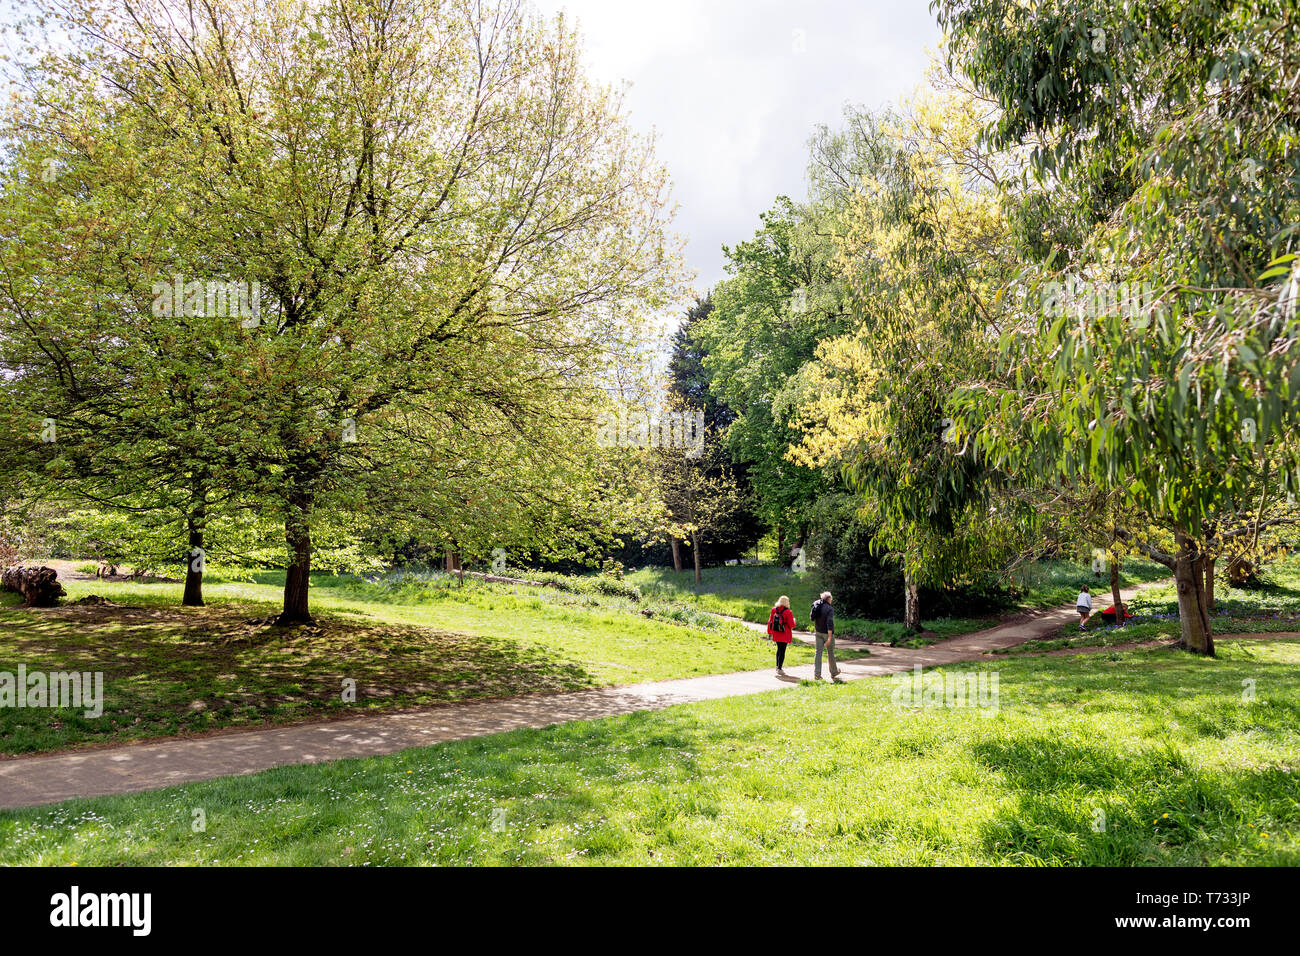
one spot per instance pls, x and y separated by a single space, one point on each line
823 620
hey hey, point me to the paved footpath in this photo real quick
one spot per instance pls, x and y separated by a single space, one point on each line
130 768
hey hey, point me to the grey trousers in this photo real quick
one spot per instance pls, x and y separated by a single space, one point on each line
828 643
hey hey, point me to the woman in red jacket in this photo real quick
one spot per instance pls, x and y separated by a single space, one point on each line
780 628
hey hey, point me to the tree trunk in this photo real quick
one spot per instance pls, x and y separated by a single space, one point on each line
911 605
1209 584
1193 613
193 596
1115 599
781 556
695 546
297 581
677 555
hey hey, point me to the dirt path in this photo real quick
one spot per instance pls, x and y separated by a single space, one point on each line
131 768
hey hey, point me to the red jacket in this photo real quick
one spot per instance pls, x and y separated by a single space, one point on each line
786 636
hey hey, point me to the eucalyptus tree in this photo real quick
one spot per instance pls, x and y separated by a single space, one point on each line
1173 379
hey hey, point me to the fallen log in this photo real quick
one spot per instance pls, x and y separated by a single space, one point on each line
39 587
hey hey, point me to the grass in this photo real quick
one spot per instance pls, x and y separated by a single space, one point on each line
171 670
1272 608
1133 758
1056 583
748 592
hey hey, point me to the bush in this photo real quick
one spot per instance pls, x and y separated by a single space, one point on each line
864 585
582 584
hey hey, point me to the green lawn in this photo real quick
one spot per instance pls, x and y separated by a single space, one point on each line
172 670
749 591
1113 758
1056 583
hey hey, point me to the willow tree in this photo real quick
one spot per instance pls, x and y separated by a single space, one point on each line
1174 379
451 229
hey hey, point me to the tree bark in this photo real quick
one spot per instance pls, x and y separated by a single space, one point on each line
1209 584
911 605
193 596
297 581
695 547
1193 612
781 556
1115 599
196 522
677 554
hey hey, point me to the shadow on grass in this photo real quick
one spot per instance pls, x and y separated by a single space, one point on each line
169 670
492 800
1129 802
1092 805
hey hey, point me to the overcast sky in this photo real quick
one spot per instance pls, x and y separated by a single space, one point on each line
734 89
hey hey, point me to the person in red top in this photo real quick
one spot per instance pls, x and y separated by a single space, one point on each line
1108 615
780 628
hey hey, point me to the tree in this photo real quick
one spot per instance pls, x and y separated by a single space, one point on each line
766 321
921 243
688 390
452 231
698 503
1155 357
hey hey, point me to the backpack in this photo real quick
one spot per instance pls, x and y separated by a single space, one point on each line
815 615
776 620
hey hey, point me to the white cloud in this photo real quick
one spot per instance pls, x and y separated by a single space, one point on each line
733 99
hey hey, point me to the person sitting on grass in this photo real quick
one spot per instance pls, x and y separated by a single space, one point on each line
1084 606
780 628
1108 615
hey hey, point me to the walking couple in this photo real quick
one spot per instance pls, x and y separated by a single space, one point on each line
780 627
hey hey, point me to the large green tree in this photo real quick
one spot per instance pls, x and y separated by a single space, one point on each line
451 229
921 243
767 319
1151 350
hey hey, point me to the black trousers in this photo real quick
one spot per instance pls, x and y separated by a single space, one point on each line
780 653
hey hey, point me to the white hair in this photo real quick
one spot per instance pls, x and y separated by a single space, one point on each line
826 595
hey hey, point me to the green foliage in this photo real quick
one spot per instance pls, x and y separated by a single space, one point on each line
767 319
451 252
